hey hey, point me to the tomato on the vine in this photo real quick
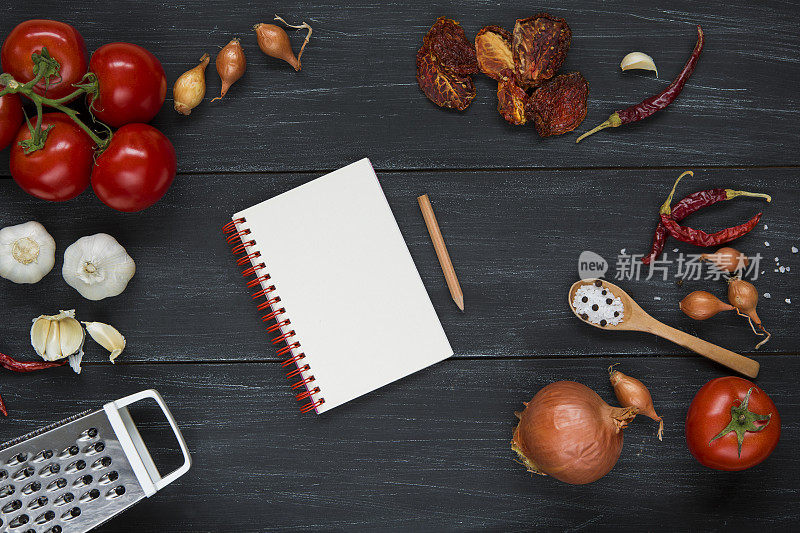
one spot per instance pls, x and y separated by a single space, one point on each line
132 84
136 168
11 118
64 44
60 170
732 424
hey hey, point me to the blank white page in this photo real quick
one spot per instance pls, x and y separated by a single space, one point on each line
347 281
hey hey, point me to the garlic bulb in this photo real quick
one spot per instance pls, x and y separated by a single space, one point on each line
97 267
58 336
27 252
106 336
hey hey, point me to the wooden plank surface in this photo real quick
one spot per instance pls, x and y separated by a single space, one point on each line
430 452
514 238
357 93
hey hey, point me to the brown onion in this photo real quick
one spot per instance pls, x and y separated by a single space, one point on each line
702 305
632 393
567 431
274 42
744 297
727 259
231 65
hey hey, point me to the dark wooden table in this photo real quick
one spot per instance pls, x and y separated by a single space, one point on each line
431 452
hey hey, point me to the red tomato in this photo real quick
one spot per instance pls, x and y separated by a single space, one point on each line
132 84
11 118
136 169
724 402
63 42
61 169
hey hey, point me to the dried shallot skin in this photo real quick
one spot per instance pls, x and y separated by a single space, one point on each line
559 105
540 45
450 48
493 49
511 98
443 88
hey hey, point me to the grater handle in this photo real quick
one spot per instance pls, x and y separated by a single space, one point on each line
157 480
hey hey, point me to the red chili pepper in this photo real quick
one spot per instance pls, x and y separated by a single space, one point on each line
689 205
654 103
701 238
10 363
3 407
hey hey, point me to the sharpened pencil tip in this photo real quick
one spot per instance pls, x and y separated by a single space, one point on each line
460 303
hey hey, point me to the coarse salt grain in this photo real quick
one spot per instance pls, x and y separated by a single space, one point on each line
766 227
596 308
794 249
788 300
767 295
656 297
782 269
766 243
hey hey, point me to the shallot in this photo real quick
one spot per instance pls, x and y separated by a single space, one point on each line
274 42
744 297
632 393
567 431
727 259
231 65
190 87
702 305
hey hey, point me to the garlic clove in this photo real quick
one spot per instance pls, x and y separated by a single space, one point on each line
75 360
39 330
52 350
638 60
106 336
71 334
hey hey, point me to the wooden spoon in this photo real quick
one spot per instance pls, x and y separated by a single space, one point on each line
636 319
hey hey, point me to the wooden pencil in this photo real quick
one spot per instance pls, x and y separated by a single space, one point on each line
441 251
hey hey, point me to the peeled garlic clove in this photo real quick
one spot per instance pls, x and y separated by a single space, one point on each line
71 335
39 331
52 351
106 336
638 60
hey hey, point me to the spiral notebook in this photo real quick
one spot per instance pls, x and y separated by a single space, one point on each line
341 296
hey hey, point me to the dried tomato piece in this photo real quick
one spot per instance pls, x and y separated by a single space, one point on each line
450 47
511 98
539 46
443 88
493 48
559 105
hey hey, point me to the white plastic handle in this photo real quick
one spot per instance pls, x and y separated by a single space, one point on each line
160 482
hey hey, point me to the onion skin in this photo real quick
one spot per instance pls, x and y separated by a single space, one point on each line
702 305
727 259
231 65
274 42
190 87
632 393
567 431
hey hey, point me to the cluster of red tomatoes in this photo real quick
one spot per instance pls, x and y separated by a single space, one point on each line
131 171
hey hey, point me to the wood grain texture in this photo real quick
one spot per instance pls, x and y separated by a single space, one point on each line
514 238
357 94
428 453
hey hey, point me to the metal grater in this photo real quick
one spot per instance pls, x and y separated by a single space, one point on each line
74 475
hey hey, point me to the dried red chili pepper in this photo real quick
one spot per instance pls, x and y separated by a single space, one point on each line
450 47
559 105
6 361
3 407
443 88
689 205
511 98
539 47
699 237
493 49
654 103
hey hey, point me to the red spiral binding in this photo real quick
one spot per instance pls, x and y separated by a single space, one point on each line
240 247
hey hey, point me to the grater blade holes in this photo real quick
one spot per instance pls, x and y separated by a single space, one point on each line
45 517
69 452
54 529
108 478
50 470
94 449
75 512
31 487
75 466
42 456
23 473
103 462
58 484
17 459
12 506
3 474
7 491
19 521
116 492
41 501
64 499
89 434
83 481
89 496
